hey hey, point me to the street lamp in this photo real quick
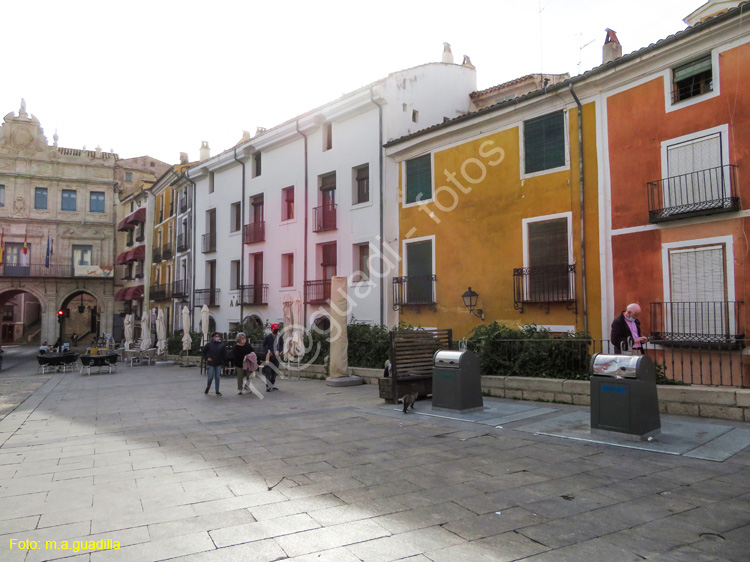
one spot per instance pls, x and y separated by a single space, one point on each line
470 301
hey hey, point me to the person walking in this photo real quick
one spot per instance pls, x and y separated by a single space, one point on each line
272 346
241 349
626 330
214 352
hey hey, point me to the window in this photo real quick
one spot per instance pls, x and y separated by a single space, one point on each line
414 116
328 260
544 142
287 270
693 79
68 200
256 164
327 136
287 203
235 217
15 262
361 191
40 198
82 255
2 196
128 176
547 251
234 275
362 263
419 272
418 179
96 202
210 182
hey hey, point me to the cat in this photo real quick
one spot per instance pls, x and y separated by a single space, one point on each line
409 400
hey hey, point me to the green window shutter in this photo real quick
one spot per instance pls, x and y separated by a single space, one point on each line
419 272
548 243
691 69
418 179
544 142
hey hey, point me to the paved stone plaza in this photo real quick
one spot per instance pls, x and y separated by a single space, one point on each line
314 473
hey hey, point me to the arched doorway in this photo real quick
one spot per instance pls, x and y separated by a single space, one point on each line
20 317
81 318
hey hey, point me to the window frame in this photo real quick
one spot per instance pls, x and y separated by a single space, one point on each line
74 198
235 217
356 201
544 218
285 204
37 191
404 203
357 268
103 195
287 270
2 195
668 75
566 145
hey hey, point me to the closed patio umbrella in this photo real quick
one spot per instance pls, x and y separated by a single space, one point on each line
146 330
128 330
161 332
204 323
187 341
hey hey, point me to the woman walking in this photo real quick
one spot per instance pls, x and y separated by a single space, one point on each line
241 349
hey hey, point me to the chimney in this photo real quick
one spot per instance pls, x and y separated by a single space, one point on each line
612 49
183 158
205 153
447 54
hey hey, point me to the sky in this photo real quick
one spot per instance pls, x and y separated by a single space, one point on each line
158 77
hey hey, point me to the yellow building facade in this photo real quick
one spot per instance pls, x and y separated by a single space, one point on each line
163 250
492 202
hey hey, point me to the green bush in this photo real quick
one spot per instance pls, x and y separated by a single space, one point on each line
174 343
369 345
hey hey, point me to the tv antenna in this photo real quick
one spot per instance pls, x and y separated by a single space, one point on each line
581 47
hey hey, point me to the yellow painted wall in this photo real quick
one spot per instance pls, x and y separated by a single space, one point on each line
478 239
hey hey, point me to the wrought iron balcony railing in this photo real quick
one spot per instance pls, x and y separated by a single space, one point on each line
253 295
161 292
208 297
183 242
544 285
180 288
57 270
697 323
324 218
414 290
254 232
166 251
157 255
704 192
317 292
209 242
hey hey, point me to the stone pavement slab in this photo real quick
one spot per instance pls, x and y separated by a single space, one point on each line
316 473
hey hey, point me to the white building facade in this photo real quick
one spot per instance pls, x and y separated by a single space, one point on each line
280 214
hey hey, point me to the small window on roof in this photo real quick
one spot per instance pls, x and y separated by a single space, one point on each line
692 79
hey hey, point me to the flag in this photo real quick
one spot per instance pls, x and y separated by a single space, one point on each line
2 246
25 255
46 260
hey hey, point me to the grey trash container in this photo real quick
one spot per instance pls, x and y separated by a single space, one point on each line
623 395
456 382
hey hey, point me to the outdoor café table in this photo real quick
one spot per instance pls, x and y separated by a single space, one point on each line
57 361
109 360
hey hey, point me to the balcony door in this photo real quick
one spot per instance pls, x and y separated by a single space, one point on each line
256 274
328 261
419 268
15 265
548 254
258 209
698 304
695 174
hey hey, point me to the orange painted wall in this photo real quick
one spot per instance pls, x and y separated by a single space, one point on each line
637 125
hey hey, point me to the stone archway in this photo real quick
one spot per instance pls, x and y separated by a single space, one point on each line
81 320
21 315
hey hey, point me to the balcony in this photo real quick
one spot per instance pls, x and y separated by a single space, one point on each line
324 218
58 270
208 297
414 290
209 242
254 232
705 192
180 288
544 285
253 295
318 292
166 251
182 242
156 255
161 292
697 324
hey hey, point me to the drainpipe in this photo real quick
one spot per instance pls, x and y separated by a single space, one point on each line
381 193
242 238
304 258
580 181
192 252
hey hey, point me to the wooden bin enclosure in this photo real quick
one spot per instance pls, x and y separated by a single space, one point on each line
412 353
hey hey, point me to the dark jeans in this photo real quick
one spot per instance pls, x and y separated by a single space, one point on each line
270 371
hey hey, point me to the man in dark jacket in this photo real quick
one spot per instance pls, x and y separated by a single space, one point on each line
273 344
214 352
627 326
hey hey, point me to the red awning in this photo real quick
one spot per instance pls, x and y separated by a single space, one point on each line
137 253
122 258
130 293
129 222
